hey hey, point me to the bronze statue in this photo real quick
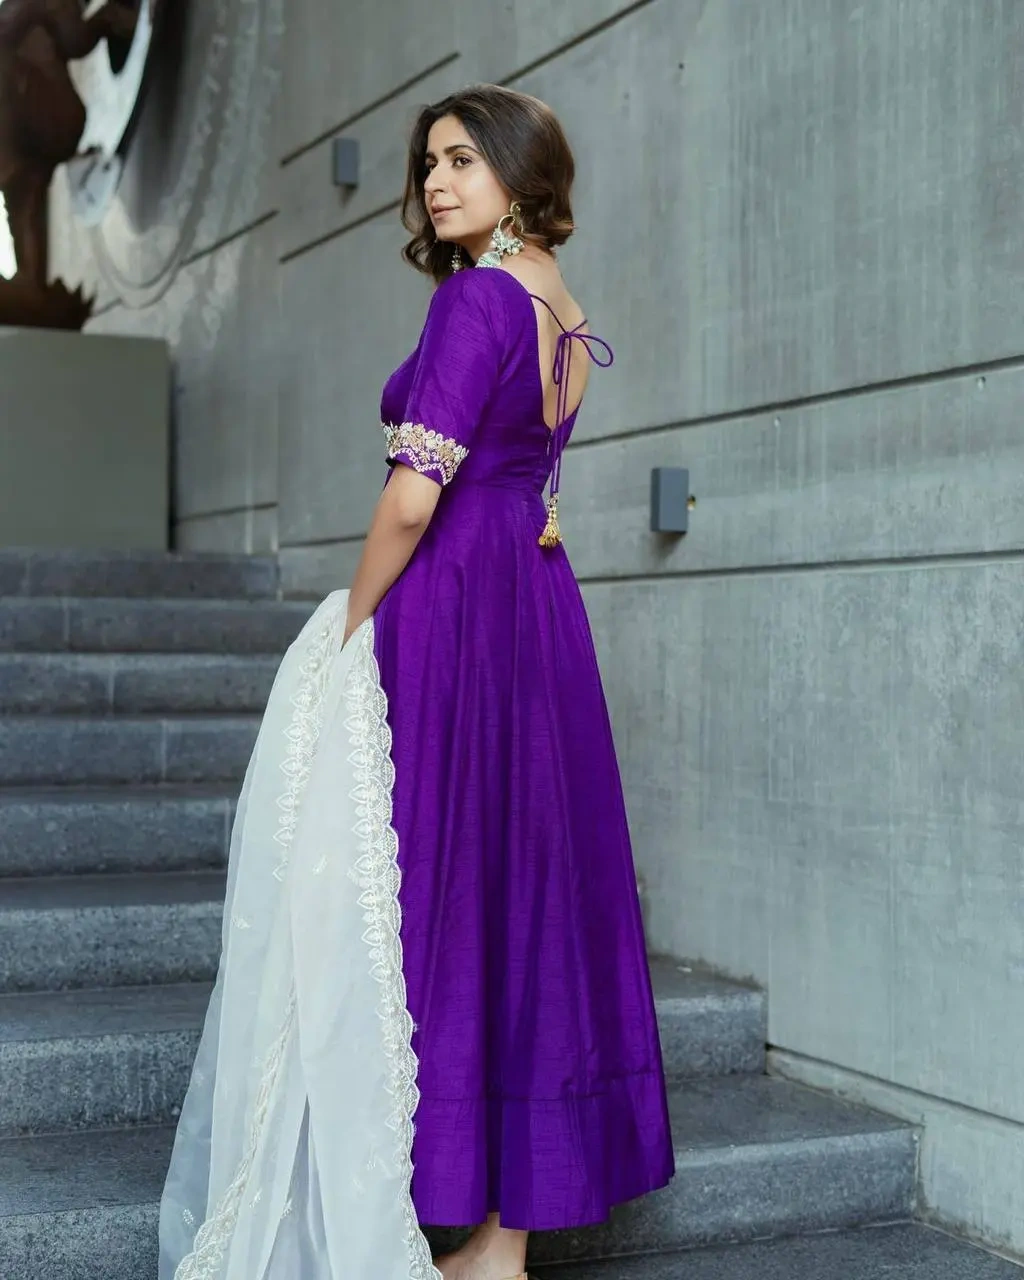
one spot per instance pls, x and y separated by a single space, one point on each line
42 119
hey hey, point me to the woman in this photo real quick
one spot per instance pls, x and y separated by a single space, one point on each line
451 932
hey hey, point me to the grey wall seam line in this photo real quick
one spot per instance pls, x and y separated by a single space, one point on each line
598 29
370 107
194 257
858 392
947 560
335 232
225 511
252 225
347 540
911 1091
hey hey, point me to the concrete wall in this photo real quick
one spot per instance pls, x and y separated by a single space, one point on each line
801 230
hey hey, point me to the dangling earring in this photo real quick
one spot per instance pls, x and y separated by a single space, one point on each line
457 263
502 243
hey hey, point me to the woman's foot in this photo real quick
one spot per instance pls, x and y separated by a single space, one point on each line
492 1252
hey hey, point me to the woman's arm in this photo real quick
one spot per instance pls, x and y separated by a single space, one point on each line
401 517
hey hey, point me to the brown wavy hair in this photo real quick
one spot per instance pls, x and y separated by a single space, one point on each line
521 139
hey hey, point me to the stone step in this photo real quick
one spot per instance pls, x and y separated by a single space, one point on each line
69 831
109 930
24 572
121 1055
755 1157
102 684
906 1251
82 1206
150 626
709 1026
48 750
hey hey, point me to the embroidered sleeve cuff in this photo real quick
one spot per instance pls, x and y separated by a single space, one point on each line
428 452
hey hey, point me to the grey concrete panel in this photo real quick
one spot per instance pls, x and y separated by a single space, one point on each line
499 40
335 355
683 667
252 530
913 471
822 771
221 317
312 207
316 571
971 1164
493 44
84 445
823 198
339 59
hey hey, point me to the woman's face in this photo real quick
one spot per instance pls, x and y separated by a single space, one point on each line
464 198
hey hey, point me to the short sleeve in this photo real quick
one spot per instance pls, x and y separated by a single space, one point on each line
454 377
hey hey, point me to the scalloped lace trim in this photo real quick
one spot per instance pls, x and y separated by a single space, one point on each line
303 732
204 1262
377 874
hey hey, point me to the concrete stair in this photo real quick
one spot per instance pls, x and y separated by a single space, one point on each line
130 691
133 684
901 1252
109 930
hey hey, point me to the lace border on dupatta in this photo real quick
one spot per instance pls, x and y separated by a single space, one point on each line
377 874
211 1240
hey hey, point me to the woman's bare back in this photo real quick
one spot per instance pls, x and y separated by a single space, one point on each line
539 275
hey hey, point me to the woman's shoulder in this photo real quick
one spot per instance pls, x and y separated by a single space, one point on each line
477 287
482 298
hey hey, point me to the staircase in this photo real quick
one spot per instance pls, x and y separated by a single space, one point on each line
130 693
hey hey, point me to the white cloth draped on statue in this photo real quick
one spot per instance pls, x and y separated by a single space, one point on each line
293 1152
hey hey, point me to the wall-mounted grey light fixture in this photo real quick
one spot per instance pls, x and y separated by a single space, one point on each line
671 500
345 162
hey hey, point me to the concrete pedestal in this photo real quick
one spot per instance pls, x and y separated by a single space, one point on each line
84 440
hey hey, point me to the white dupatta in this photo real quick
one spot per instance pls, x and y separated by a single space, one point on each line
292 1158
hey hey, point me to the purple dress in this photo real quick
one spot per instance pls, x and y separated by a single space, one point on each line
541 1081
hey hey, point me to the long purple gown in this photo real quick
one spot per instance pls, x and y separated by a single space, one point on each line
541 1081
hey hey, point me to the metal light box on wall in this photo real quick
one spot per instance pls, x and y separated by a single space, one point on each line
670 499
345 162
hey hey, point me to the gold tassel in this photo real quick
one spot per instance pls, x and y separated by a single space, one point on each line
552 536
